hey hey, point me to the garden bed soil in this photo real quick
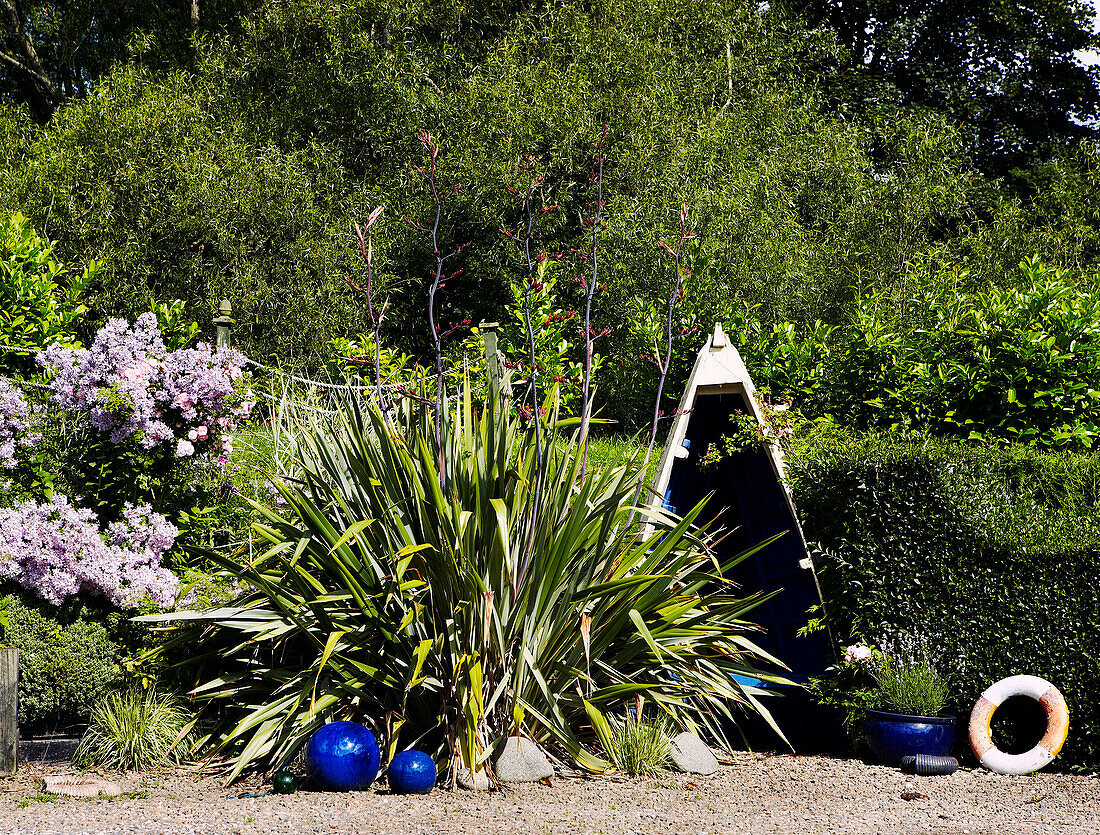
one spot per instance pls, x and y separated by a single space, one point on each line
754 794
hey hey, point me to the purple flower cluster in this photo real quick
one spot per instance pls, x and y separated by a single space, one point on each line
129 384
14 416
56 551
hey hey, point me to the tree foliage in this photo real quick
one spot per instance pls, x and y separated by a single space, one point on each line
234 167
1005 71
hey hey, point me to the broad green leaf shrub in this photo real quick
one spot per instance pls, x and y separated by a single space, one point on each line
41 301
67 662
989 555
1018 363
454 595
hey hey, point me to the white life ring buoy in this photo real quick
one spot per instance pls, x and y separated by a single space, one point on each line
1057 712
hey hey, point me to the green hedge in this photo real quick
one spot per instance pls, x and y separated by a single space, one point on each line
991 555
68 660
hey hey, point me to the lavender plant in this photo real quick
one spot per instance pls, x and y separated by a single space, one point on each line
56 551
14 424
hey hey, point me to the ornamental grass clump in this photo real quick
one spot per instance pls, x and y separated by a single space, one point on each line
639 746
136 730
453 609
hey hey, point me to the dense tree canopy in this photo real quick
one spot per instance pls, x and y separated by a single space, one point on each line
230 158
1005 70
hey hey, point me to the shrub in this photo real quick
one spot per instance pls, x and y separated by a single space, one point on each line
14 426
136 730
40 301
1003 364
129 384
991 555
66 662
56 551
133 422
464 592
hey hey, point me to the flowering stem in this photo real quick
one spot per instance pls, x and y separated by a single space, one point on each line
589 293
663 363
439 280
366 249
437 277
527 288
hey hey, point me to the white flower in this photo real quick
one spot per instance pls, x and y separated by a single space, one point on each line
857 654
184 448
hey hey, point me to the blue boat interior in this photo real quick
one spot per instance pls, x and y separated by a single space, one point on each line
749 505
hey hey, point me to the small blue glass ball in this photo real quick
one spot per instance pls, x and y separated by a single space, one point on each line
342 756
411 772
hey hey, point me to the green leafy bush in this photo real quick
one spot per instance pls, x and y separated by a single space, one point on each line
458 594
991 555
41 302
67 662
1014 363
136 730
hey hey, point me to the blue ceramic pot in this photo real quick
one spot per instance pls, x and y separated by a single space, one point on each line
342 756
891 736
411 772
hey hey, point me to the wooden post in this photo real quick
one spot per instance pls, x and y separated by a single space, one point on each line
500 381
492 364
223 324
9 710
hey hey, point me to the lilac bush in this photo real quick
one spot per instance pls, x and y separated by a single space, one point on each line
130 385
14 424
56 551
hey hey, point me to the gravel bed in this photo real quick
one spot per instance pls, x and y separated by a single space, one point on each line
755 793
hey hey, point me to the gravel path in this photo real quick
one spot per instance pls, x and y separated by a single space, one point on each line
756 793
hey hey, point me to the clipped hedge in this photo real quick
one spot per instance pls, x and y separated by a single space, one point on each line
67 661
990 555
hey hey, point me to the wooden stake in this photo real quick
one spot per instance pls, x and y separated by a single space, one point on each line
9 709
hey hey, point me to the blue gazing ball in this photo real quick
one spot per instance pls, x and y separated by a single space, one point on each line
342 756
411 772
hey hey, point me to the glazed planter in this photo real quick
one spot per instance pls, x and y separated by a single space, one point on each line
891 736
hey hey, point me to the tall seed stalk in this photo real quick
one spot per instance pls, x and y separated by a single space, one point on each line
439 280
664 362
589 293
366 250
530 284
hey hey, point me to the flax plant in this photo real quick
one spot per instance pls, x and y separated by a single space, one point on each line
394 594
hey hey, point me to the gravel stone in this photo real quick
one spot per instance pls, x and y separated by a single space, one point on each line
691 754
522 761
752 793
